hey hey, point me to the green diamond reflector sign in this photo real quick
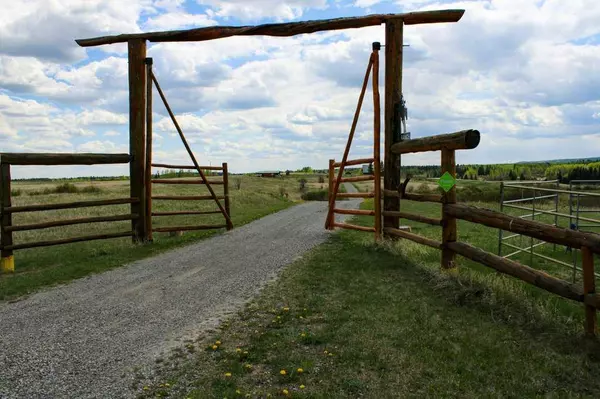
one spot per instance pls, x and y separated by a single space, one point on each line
446 182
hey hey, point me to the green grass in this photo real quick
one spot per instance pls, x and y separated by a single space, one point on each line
396 327
41 267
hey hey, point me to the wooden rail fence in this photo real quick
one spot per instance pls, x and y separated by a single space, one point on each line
7 245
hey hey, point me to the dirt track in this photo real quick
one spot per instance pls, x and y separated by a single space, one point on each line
82 340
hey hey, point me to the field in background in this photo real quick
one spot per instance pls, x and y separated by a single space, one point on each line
359 319
251 198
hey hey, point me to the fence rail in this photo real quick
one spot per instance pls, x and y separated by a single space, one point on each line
7 228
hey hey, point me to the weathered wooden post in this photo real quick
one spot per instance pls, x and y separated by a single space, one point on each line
137 132
7 260
589 288
376 140
148 168
226 194
393 96
331 178
448 222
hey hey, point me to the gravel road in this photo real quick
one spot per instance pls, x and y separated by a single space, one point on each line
82 340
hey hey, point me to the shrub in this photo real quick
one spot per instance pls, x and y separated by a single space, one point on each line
15 192
321 179
321 195
65 188
91 190
302 184
283 192
238 183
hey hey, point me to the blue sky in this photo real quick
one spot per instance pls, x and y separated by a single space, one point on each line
526 73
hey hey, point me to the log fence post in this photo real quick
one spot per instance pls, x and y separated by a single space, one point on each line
148 170
448 222
589 288
137 132
226 194
376 140
331 194
7 260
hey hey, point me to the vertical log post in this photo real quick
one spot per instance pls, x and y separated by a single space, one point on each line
7 260
393 95
148 174
226 194
589 287
376 140
448 223
137 131
331 194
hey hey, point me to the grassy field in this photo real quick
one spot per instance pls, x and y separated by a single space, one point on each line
251 198
359 319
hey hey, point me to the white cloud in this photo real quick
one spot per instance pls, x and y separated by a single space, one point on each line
252 10
178 20
102 147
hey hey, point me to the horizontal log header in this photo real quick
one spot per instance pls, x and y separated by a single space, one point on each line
279 30
15 158
463 140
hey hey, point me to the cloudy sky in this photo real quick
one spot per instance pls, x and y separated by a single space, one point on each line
526 73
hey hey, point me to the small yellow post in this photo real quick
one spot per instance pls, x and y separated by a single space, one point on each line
7 265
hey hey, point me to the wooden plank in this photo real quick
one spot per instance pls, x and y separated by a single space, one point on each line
589 288
70 240
6 239
413 237
357 178
364 212
525 273
360 161
69 222
337 181
416 218
148 166
70 205
331 196
226 194
189 150
279 29
167 166
376 141
414 197
185 197
356 195
186 181
188 228
463 140
181 213
393 92
541 231
137 133
354 227
448 221
63 159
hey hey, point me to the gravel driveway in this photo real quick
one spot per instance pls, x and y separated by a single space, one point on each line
82 340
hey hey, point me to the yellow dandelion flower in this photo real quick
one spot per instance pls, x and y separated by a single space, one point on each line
286 309
303 335
330 354
248 366
325 352
215 347
228 375
302 387
167 384
238 392
283 372
305 309
238 350
146 388
301 317
300 371
278 317
245 352
286 392
161 386
218 343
